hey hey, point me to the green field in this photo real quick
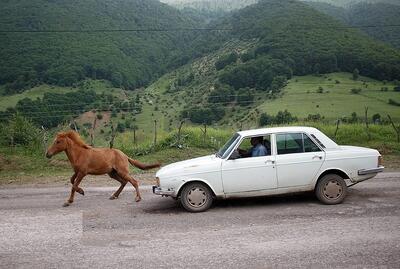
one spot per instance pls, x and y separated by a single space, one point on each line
99 86
301 97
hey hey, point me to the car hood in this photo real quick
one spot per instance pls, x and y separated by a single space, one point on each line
196 165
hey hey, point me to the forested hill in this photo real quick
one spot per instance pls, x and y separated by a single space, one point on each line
382 19
64 41
306 41
70 52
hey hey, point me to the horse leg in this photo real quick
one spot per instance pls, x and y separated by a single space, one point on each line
79 190
120 180
134 183
75 187
72 179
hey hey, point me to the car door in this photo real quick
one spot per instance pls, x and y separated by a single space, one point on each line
298 159
249 174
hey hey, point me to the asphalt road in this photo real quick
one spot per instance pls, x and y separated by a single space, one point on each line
275 232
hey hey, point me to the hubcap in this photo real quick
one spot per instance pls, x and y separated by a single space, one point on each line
197 197
332 189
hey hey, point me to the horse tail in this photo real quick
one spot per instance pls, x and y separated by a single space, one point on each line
143 166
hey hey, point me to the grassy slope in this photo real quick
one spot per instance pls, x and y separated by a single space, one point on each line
301 97
98 86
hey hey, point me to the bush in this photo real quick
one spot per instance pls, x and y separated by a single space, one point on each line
282 117
19 131
99 116
393 102
355 91
314 117
266 119
226 60
120 127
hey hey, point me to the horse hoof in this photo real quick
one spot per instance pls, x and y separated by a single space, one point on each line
138 199
113 197
66 204
81 192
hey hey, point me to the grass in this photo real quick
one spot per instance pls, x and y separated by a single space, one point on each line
99 86
301 97
30 165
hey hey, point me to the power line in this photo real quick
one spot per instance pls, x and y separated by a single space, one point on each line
139 30
118 103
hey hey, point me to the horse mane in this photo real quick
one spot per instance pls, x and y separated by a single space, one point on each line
75 137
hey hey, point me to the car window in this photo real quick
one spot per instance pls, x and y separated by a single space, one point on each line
255 146
289 143
309 145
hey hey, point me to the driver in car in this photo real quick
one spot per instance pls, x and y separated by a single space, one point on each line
257 149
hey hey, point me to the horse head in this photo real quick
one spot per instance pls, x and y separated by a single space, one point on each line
60 144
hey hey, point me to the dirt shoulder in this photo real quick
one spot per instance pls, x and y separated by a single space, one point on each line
64 180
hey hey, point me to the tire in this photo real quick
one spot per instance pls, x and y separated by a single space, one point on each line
331 189
196 197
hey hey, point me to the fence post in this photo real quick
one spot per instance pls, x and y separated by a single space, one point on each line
204 133
134 133
92 131
155 132
112 136
337 127
366 123
179 132
396 129
44 141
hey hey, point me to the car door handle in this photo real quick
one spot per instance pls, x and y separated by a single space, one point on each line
317 156
269 161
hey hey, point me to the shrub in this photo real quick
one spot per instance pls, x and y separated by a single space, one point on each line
19 131
355 91
393 102
226 60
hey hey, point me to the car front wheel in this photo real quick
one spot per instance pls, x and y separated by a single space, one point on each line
331 189
196 197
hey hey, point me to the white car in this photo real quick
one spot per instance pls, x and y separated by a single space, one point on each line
295 159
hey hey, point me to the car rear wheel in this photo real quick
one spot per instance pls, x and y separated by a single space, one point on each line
331 189
196 197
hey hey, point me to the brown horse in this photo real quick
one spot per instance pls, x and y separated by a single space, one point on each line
86 160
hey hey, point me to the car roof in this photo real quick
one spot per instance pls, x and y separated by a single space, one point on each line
325 140
276 130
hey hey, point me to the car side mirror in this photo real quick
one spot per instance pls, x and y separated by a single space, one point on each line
235 155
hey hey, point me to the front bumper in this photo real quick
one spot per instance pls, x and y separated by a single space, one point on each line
363 172
157 190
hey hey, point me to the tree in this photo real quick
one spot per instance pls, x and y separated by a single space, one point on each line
356 74
376 118
265 120
226 60
245 97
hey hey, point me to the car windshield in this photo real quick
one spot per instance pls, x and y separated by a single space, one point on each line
221 153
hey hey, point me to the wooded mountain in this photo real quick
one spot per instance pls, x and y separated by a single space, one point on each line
306 41
290 38
371 15
210 5
70 52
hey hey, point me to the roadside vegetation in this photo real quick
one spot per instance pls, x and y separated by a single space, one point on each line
23 146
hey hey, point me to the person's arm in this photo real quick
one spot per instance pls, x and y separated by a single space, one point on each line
244 153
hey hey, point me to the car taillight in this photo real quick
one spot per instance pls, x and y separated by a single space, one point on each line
380 161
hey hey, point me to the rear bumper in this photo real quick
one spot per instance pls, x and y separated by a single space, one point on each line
157 190
370 171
